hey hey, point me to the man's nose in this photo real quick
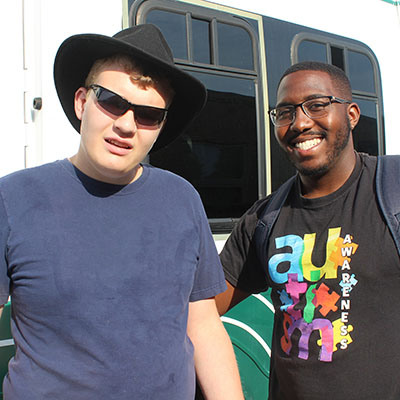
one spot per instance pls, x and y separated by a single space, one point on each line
301 120
126 123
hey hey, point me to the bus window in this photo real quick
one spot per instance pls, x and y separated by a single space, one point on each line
361 73
219 153
358 63
201 41
366 131
228 56
309 50
173 27
337 57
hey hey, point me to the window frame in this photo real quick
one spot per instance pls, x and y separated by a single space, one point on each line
330 42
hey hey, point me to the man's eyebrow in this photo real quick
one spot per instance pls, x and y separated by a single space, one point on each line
310 97
283 104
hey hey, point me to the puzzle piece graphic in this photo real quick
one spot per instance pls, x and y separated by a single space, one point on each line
285 299
308 313
348 282
325 299
286 343
294 288
343 252
337 334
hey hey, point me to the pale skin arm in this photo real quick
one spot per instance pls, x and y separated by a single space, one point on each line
228 299
1 309
214 359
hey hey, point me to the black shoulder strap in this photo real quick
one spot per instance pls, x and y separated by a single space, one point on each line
268 218
388 193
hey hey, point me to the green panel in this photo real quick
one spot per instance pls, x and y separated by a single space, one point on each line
6 352
250 342
254 382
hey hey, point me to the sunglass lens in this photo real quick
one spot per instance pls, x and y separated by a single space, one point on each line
148 116
112 103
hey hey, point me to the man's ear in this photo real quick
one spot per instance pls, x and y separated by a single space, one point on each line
354 113
80 101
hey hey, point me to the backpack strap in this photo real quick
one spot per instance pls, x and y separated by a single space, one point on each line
268 217
388 193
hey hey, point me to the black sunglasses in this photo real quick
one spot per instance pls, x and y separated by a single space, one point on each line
117 105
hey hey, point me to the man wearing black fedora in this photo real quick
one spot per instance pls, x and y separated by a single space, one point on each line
110 263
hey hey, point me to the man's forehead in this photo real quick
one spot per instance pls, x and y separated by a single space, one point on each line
301 85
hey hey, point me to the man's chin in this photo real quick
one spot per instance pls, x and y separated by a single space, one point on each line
312 172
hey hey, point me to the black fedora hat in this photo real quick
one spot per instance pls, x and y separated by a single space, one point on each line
144 43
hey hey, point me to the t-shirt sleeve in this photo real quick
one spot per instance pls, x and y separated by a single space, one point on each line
239 255
209 278
4 232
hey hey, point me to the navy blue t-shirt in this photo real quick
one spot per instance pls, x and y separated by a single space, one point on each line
100 277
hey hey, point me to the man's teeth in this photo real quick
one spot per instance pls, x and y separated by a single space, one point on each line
308 144
118 144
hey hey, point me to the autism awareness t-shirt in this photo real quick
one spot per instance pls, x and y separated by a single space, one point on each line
335 278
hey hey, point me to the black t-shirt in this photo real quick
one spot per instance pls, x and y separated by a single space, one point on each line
335 277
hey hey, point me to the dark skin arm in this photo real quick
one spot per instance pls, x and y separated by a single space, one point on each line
228 299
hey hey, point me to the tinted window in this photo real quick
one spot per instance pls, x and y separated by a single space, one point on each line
314 51
366 131
361 73
173 27
337 57
235 47
218 153
201 41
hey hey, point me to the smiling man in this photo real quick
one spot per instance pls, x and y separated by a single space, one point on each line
313 121
323 244
110 263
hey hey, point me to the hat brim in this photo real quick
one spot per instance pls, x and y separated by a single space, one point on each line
76 56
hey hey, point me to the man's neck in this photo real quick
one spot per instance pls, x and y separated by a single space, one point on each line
335 178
